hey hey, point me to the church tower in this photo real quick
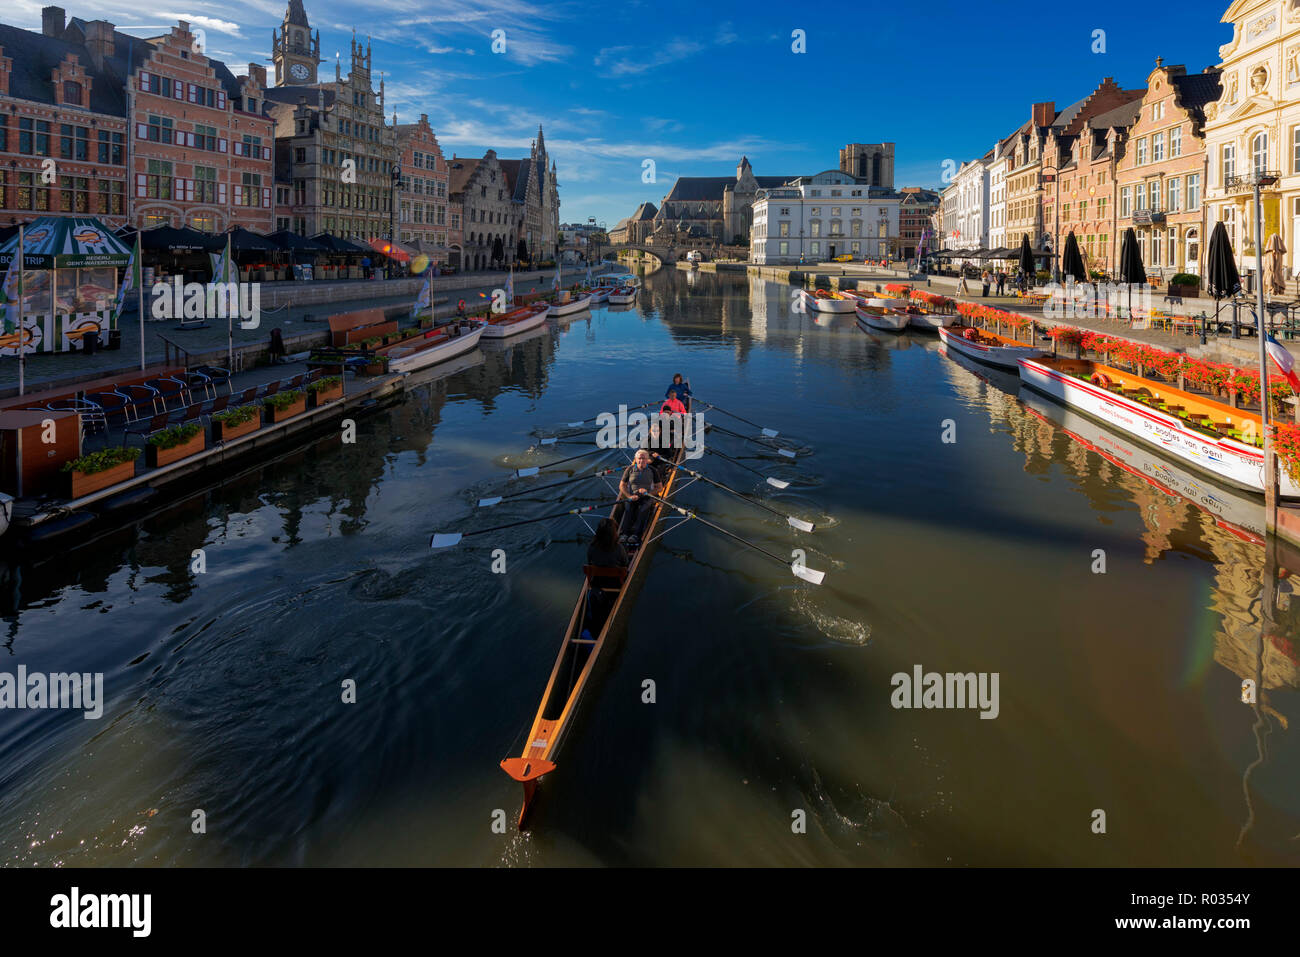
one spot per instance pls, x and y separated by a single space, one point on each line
294 50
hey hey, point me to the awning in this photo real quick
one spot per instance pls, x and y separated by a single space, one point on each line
176 240
61 242
337 244
288 240
245 240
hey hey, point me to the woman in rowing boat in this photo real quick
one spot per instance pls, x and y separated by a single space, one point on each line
639 482
681 390
605 550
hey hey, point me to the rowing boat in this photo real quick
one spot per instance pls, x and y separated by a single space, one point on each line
594 617
824 301
516 321
575 304
991 348
622 296
434 346
879 314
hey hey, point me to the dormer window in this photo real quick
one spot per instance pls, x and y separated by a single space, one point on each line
72 92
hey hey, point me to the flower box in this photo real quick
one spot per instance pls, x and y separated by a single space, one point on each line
156 457
325 393
85 483
222 432
296 407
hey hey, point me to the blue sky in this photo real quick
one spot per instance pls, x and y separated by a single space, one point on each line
694 86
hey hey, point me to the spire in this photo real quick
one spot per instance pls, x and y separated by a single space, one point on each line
295 14
541 142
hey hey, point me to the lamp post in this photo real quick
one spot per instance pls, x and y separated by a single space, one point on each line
1260 179
397 182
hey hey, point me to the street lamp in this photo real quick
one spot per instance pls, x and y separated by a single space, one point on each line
1260 179
392 238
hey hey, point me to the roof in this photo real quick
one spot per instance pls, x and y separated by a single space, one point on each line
460 170
296 14
645 211
289 95
1121 117
710 188
1195 90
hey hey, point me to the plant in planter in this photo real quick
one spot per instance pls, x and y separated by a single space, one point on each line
1185 284
1068 336
235 422
325 390
284 405
378 365
99 470
1286 443
171 445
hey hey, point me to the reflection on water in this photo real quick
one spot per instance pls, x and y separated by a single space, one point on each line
1120 691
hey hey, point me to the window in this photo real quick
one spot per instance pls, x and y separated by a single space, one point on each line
1156 236
783 228
1158 148
33 138
1176 142
1259 152
160 129
74 142
112 197
299 154
1158 111
1229 163
784 248
1125 200
1153 194
158 182
72 92
816 249
161 85
249 191
1174 203
74 196
1142 151
1193 190
815 228
205 138
205 184
253 146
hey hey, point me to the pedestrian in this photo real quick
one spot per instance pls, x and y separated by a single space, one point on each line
1002 282
962 289
276 349
365 266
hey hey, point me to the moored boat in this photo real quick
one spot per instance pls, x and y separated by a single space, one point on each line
1214 438
575 304
623 295
436 345
600 293
988 347
516 321
825 301
878 314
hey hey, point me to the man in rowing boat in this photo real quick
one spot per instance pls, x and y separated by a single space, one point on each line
639 482
680 390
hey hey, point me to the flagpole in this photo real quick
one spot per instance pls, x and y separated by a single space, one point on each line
137 277
22 324
230 321
1270 468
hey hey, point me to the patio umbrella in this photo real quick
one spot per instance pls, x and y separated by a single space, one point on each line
1274 266
1026 258
1071 261
246 241
1131 270
171 239
1222 279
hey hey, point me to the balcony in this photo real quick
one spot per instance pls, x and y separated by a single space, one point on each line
1147 217
1246 184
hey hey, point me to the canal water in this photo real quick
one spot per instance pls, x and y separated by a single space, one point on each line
1119 616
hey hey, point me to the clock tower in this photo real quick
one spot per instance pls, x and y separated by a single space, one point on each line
294 50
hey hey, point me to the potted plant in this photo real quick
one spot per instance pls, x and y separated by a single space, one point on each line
284 405
99 470
233 423
1185 284
378 365
325 390
173 444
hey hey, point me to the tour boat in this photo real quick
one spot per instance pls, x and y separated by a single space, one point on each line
575 304
585 638
879 314
931 321
600 293
988 347
1212 437
622 295
824 301
436 345
516 321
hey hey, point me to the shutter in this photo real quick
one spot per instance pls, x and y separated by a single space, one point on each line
142 131
221 146
144 81
266 152
141 184
266 196
221 100
221 193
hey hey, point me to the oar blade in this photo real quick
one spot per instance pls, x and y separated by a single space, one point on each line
777 483
771 433
787 453
574 425
445 539
551 440
525 473
490 501
799 523
807 574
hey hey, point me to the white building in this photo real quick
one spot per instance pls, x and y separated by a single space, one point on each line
948 225
817 218
972 183
998 193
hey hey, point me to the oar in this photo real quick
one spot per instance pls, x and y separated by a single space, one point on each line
447 539
574 425
494 499
800 571
786 452
770 433
534 469
798 523
774 482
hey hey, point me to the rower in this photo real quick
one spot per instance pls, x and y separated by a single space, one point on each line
672 405
679 389
605 549
638 482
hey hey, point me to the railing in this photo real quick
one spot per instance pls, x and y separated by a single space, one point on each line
1245 184
1145 217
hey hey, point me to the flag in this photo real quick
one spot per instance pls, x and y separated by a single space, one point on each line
510 289
422 300
11 294
555 283
588 275
130 281
1284 361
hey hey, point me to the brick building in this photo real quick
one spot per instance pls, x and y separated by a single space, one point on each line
1161 178
424 192
914 212
486 200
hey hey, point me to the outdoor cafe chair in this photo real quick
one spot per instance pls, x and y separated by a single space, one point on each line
191 412
216 374
155 424
139 395
270 388
199 380
113 404
91 413
245 397
169 386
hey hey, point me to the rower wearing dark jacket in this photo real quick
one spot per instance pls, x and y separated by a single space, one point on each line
680 390
605 549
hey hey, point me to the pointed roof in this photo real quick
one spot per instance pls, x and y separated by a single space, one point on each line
295 14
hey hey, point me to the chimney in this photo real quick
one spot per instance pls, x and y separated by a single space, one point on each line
1044 113
258 73
52 21
99 42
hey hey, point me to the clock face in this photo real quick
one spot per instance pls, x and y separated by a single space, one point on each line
298 71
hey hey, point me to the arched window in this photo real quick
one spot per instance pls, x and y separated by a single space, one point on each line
72 92
1259 152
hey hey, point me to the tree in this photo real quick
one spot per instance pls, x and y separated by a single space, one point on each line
521 252
498 250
